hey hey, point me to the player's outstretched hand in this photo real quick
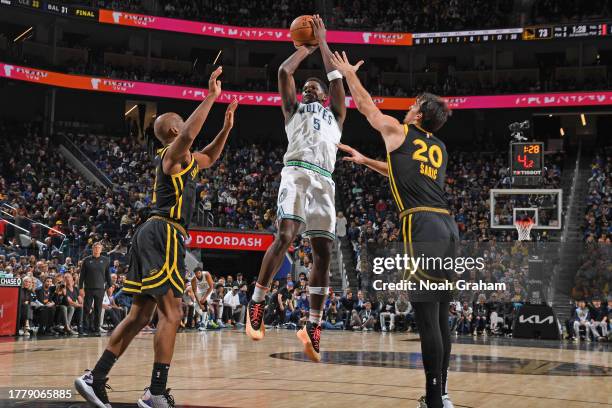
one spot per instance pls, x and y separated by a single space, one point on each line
214 85
354 155
229 115
318 28
342 64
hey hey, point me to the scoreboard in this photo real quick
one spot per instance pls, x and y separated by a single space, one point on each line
550 32
526 162
55 7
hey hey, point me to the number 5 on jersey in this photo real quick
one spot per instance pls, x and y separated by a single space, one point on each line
430 163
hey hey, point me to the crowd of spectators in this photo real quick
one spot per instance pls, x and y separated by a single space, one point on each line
593 280
377 15
598 216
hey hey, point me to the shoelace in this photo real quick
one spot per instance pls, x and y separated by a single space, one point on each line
316 337
100 389
169 398
256 313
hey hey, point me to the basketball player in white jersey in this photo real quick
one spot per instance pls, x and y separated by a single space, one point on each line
202 286
306 194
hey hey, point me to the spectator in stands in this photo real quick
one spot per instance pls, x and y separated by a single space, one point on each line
582 320
404 312
216 299
465 319
332 319
232 309
46 312
64 310
27 298
365 319
480 314
599 320
388 311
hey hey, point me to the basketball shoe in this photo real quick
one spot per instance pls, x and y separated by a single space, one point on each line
149 400
310 336
255 328
93 392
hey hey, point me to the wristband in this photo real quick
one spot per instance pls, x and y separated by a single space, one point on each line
335 74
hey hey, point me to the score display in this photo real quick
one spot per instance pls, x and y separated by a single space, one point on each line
526 158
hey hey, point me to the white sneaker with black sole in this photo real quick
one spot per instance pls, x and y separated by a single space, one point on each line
95 394
149 400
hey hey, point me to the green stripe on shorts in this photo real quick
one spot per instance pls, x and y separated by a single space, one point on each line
309 166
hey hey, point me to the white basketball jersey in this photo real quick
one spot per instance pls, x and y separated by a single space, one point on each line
202 284
313 134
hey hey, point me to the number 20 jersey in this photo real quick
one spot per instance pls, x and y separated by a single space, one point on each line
313 134
417 170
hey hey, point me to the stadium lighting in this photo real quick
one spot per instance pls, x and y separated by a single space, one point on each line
20 36
583 119
562 132
131 109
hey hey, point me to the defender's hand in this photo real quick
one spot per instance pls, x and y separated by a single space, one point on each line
354 155
342 64
214 86
229 115
318 28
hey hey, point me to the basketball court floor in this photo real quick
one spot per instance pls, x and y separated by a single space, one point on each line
226 369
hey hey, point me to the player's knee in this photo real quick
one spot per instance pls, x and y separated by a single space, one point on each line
283 239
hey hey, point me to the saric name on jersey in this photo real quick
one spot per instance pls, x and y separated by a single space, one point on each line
429 171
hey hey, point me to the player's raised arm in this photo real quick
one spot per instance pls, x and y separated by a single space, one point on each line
358 158
336 87
179 150
390 128
210 154
286 83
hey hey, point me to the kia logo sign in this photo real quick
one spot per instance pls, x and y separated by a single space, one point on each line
535 319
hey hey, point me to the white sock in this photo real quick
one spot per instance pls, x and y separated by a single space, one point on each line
260 293
314 316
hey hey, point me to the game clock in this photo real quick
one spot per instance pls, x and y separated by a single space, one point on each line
526 158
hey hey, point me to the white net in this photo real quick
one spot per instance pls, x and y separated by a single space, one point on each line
524 228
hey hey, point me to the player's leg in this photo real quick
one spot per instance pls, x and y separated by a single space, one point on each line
446 343
291 221
92 385
432 350
310 334
320 213
170 314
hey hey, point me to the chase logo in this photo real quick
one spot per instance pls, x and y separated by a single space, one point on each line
8 70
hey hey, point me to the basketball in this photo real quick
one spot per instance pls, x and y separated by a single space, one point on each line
301 31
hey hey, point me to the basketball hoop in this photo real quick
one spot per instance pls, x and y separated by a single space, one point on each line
524 227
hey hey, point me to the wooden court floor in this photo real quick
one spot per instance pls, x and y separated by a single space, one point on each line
226 369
